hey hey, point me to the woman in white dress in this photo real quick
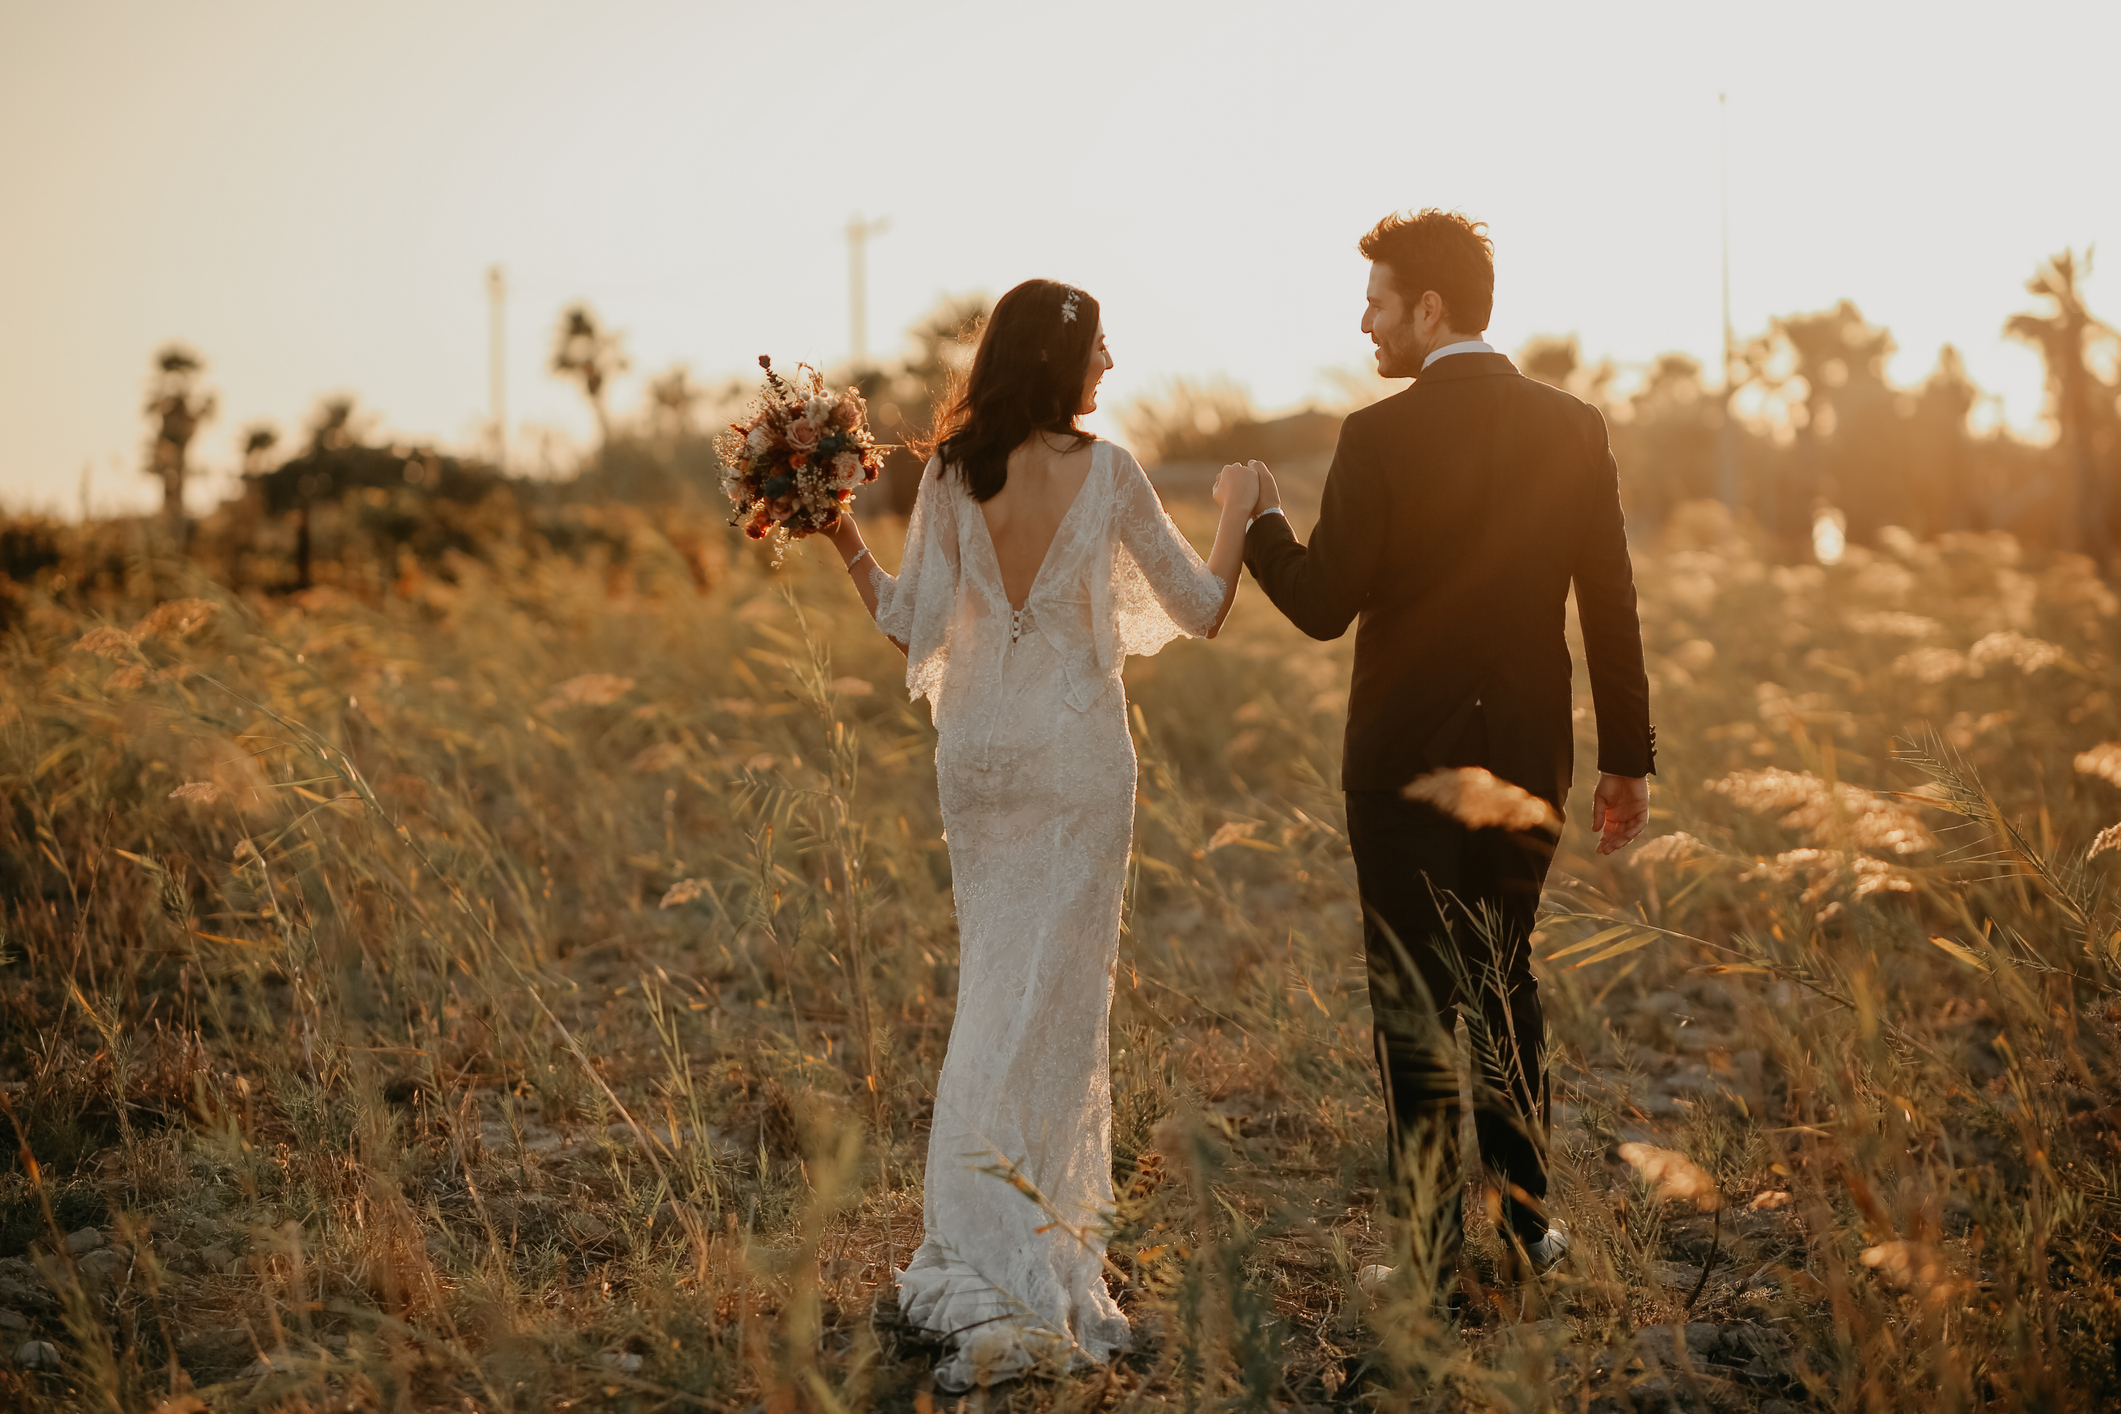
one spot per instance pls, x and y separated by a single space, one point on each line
1038 557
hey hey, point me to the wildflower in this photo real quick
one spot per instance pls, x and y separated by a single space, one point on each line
204 792
590 689
1671 1174
125 679
1480 800
1768 1200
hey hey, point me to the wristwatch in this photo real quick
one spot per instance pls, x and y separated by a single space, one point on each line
1269 511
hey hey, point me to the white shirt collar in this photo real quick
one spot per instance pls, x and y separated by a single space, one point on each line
1462 346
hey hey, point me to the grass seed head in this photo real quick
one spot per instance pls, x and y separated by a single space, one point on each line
106 642
2103 761
588 690
1481 800
1671 1174
1915 1268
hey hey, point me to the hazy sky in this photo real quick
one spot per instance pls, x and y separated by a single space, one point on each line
311 194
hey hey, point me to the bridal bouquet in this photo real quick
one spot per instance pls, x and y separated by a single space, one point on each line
792 461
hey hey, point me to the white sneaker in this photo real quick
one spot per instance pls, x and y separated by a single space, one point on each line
1547 1252
1371 1279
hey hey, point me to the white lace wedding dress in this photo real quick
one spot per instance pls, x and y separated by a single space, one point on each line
1035 767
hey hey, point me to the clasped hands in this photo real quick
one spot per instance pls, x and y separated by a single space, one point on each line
1248 487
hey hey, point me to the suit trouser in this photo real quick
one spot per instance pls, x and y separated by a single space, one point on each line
1447 919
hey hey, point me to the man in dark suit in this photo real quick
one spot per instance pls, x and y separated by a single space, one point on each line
1457 515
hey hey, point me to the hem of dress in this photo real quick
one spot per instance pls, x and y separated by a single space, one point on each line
993 1336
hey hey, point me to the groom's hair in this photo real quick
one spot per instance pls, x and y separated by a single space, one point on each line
1440 251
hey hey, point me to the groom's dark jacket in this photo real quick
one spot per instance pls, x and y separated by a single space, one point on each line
1456 516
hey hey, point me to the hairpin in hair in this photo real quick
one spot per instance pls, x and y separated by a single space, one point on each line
1068 305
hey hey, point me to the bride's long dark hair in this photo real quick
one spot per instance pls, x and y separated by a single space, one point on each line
1028 376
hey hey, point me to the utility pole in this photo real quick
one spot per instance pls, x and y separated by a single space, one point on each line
858 234
496 361
1727 471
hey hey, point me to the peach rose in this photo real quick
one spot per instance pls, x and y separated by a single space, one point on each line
847 414
802 434
846 469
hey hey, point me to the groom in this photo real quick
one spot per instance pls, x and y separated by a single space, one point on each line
1457 515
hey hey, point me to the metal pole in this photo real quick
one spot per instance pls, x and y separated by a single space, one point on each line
496 361
1727 470
858 234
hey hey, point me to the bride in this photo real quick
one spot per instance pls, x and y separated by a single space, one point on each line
1038 557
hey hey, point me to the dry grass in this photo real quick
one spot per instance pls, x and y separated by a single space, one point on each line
525 992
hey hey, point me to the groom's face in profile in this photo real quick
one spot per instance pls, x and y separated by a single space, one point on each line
1400 329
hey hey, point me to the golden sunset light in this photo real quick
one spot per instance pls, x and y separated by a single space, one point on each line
949 708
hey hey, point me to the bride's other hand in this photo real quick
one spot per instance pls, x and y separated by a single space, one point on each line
1237 485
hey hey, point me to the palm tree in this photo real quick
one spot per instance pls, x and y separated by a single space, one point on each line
178 406
673 406
2062 338
258 442
587 351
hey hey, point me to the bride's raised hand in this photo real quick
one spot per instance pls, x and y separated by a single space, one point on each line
1238 485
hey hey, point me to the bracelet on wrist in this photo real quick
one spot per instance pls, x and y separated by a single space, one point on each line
858 559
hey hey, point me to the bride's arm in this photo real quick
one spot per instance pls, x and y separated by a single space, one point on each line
862 567
1196 595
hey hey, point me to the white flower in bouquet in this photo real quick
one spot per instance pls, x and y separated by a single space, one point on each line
846 470
759 440
819 409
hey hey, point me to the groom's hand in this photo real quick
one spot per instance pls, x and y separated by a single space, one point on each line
1269 493
1619 810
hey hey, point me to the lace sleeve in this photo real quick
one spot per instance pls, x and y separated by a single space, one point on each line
917 606
1161 588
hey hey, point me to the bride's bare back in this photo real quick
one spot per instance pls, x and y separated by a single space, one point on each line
1024 516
